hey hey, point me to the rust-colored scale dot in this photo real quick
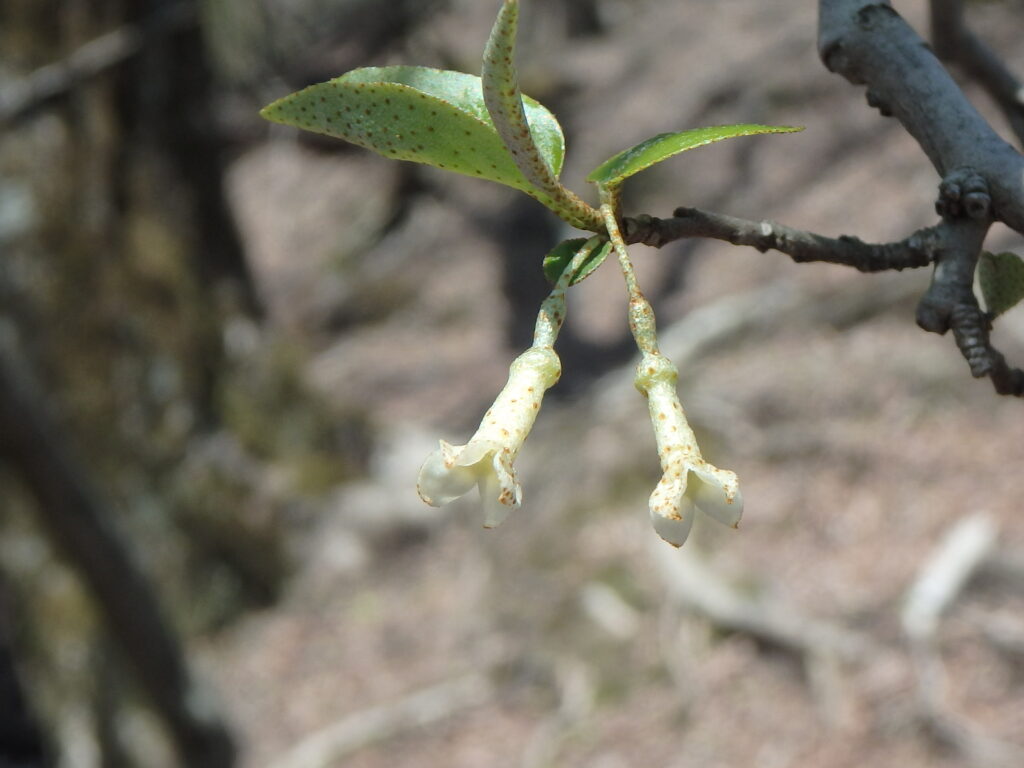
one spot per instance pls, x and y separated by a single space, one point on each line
661 416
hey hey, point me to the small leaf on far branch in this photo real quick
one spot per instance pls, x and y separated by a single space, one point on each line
558 259
663 146
1001 277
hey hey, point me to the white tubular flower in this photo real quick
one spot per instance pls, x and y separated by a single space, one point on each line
486 460
715 492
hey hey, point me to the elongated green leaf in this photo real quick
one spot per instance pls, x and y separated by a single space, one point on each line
657 148
419 114
504 102
558 259
1001 277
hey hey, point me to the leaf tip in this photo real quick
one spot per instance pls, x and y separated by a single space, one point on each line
272 111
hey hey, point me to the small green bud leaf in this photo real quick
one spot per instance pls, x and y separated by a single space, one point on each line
431 116
556 262
657 148
1001 277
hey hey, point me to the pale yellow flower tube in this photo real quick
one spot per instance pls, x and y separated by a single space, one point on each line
486 460
715 492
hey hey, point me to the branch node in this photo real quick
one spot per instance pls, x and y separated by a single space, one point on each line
875 101
933 315
964 193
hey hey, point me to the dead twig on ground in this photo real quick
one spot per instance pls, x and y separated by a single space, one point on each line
371 726
939 583
691 583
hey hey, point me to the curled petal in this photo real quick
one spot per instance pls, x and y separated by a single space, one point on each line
441 480
491 497
717 493
671 511
674 530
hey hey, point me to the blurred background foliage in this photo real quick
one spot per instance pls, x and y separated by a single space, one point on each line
245 340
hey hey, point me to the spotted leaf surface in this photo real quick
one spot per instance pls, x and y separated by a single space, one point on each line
1001 277
556 262
663 146
424 115
525 144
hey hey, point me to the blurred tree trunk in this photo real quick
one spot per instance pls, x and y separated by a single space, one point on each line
73 519
21 743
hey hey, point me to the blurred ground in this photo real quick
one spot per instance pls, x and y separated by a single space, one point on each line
561 638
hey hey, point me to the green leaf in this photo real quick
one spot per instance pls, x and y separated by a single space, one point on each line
558 259
424 115
1001 277
657 148
526 146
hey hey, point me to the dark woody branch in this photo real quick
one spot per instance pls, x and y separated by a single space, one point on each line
869 44
954 41
953 245
801 246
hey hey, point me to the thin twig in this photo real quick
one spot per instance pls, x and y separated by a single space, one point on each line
953 245
376 724
914 251
945 574
940 581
